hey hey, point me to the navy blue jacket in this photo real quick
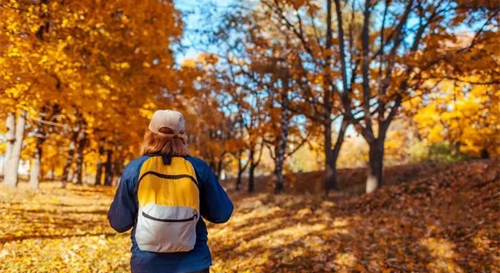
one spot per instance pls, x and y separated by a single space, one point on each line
215 206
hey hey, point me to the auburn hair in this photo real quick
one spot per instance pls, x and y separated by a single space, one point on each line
160 144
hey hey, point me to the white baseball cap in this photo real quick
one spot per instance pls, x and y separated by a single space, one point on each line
167 119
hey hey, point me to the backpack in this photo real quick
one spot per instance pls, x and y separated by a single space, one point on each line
169 205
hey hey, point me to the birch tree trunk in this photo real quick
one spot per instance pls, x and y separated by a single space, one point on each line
12 165
10 139
40 136
281 148
36 167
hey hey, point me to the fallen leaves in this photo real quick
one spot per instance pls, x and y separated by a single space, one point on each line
445 221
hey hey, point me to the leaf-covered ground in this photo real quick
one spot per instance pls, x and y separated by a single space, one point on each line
445 221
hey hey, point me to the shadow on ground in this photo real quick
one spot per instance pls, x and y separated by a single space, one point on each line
445 221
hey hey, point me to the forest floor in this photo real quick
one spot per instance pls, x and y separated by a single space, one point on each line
429 219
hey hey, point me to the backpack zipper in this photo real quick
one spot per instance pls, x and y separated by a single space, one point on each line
169 176
169 220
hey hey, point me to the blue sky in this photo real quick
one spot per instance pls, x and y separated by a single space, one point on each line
193 17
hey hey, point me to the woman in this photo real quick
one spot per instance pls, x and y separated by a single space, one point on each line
162 195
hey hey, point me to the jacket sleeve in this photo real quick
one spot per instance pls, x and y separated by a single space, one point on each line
216 206
123 210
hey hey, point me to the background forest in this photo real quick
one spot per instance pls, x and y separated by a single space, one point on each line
346 109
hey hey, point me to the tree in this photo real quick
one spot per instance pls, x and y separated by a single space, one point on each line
463 115
12 162
287 37
394 56
101 56
44 127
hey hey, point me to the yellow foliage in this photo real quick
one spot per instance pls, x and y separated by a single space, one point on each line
84 63
465 115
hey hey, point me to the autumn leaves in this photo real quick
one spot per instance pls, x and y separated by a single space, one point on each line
84 77
342 66
443 220
285 75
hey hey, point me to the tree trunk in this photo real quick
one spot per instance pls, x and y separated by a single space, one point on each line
251 182
69 158
484 153
375 168
219 167
240 171
238 182
12 164
41 136
108 169
10 139
118 169
279 186
118 164
86 175
52 172
71 176
100 165
37 157
82 141
330 169
330 163
251 170
331 177
36 166
279 160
